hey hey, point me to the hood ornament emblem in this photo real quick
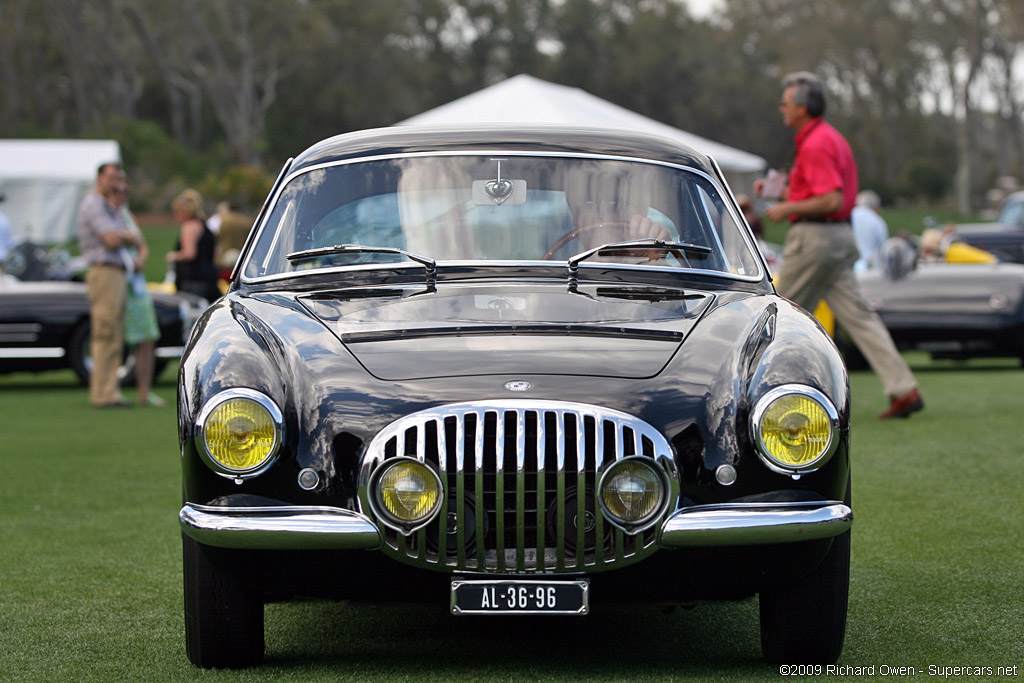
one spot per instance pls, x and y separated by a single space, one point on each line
519 385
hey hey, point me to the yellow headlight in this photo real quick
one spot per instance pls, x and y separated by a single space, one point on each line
631 492
795 428
241 431
409 492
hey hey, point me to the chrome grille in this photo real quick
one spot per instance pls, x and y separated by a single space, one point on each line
512 470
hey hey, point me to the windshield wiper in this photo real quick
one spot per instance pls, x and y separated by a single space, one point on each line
647 243
428 263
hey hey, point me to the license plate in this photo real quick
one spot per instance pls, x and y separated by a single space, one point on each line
520 597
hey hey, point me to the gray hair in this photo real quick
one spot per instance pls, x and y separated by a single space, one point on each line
869 198
809 91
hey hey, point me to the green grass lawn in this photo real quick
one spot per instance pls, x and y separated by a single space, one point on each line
90 579
161 239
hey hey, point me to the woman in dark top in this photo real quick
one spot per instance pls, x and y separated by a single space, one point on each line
194 269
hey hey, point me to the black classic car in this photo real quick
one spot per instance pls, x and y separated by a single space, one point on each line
510 371
1005 237
44 325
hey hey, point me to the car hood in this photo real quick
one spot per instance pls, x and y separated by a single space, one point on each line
614 331
734 347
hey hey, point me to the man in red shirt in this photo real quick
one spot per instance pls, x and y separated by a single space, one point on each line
820 247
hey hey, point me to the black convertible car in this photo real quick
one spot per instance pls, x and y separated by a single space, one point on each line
44 325
525 370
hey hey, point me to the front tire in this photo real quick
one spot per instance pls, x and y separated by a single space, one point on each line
806 622
80 358
223 618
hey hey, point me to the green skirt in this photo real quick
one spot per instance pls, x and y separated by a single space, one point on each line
139 316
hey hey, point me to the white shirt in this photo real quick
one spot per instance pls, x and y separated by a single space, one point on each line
6 239
870 231
213 223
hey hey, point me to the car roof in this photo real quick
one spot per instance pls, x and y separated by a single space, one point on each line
568 140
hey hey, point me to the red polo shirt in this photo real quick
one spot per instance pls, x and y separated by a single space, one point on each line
824 162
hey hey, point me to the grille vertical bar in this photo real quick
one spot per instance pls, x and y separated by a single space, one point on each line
481 519
520 490
499 488
560 496
581 488
598 467
421 535
541 527
520 480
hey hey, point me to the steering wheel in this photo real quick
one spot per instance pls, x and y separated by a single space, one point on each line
622 226
576 232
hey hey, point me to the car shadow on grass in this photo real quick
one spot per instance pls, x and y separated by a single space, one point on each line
611 643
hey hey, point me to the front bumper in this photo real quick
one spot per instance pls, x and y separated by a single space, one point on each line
755 523
330 528
279 527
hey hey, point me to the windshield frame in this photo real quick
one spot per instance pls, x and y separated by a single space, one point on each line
560 266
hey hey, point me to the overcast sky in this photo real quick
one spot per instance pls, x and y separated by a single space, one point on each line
701 8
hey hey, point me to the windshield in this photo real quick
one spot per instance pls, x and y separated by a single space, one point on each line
500 209
1013 213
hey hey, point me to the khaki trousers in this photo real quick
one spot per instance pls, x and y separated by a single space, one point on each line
107 292
817 263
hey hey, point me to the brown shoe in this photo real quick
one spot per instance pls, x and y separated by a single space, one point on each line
903 406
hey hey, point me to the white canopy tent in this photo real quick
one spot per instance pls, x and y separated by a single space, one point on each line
44 181
525 99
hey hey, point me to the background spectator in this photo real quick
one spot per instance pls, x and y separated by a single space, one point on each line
820 248
6 238
141 329
102 234
192 259
750 213
234 229
869 229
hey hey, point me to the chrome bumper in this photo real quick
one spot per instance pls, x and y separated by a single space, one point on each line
754 523
279 527
328 528
169 351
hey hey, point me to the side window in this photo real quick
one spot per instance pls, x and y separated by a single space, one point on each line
267 255
727 234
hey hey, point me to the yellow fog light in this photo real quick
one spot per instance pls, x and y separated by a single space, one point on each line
632 494
240 432
795 428
408 493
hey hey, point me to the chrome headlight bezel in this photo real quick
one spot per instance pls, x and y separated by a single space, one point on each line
377 505
264 401
649 520
757 434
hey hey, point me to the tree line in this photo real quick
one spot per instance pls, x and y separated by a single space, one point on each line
929 92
